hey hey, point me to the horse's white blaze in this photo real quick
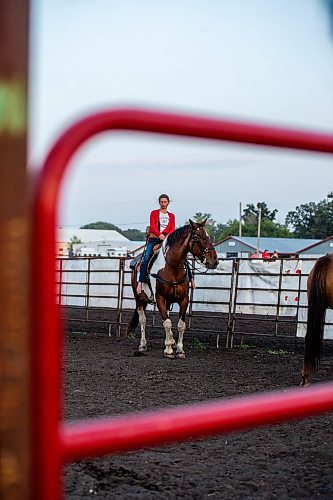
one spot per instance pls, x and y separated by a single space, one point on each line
181 330
142 321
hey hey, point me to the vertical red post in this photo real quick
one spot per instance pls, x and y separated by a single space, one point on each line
14 251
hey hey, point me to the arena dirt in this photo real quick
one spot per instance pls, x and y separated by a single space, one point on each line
102 377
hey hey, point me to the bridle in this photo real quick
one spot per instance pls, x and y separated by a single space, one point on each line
194 239
197 240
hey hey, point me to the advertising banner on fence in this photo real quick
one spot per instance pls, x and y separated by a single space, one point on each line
273 288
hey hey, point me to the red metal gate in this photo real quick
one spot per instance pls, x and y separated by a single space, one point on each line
54 441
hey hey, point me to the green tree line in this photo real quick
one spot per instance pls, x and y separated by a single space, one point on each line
310 220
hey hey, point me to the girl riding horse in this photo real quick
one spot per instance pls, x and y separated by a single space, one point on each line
170 279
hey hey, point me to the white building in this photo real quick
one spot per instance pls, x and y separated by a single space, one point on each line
96 242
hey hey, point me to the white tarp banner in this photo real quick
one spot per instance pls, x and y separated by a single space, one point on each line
102 289
216 298
256 290
258 287
213 288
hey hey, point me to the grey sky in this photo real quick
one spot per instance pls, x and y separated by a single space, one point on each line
255 60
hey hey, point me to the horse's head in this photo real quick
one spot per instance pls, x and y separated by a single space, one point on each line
201 246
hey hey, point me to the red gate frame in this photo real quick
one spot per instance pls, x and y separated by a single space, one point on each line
55 442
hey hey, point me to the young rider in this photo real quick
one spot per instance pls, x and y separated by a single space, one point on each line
161 224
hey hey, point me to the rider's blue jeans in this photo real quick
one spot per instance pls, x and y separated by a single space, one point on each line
146 258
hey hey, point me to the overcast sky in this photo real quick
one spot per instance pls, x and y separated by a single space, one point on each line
259 60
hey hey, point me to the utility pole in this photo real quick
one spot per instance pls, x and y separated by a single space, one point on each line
240 219
259 225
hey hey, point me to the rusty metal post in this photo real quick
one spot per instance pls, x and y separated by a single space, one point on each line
14 252
233 305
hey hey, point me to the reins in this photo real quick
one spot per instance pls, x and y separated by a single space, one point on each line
197 269
194 239
203 250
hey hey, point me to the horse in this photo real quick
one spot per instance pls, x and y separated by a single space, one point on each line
169 276
320 297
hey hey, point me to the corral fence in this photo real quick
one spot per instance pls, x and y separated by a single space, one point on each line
54 442
270 293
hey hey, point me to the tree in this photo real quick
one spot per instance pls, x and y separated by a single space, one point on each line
134 234
73 241
131 234
231 228
269 228
213 229
251 212
312 220
101 225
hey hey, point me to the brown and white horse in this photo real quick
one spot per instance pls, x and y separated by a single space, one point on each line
320 297
170 283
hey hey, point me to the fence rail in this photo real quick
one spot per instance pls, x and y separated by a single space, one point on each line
273 291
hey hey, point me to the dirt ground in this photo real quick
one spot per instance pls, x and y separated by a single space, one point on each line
103 378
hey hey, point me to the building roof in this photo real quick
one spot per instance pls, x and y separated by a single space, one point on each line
310 245
130 245
89 235
282 245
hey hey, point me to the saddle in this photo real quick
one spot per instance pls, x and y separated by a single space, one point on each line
147 294
135 263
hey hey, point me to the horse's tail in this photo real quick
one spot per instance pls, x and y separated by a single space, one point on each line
317 305
133 323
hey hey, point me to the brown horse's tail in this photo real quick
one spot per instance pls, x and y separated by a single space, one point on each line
317 305
132 324
134 321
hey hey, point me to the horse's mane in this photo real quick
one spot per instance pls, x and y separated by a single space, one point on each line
177 235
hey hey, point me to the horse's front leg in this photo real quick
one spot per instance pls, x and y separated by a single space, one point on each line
142 320
180 353
169 340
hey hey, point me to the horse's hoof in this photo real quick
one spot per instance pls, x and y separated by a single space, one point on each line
180 355
304 384
169 356
139 353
